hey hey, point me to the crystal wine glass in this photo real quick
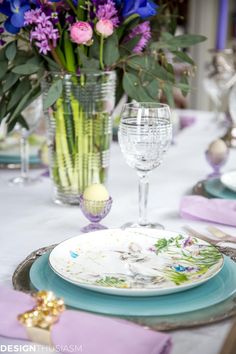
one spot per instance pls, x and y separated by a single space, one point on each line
145 133
32 115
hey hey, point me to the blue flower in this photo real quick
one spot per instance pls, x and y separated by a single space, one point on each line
74 254
180 268
144 8
15 11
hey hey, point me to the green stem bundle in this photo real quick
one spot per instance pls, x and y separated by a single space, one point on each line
80 144
101 53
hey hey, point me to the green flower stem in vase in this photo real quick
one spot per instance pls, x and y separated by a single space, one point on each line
79 133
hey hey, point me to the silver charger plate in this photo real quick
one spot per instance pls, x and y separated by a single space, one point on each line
216 313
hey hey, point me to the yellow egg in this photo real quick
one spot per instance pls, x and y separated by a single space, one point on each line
218 147
96 192
217 151
95 198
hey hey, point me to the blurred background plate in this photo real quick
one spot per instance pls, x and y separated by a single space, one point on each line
229 180
215 188
10 150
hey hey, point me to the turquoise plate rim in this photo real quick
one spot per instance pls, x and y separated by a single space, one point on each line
216 290
215 188
16 160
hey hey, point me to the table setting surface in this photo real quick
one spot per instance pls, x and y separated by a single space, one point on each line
30 220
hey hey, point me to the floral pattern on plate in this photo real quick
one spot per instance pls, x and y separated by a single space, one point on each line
135 261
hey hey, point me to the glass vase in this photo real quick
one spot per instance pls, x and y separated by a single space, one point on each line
79 132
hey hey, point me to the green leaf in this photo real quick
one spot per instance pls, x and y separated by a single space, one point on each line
130 84
119 87
26 69
111 50
10 51
177 277
21 58
69 54
161 244
185 85
150 66
36 60
94 49
173 21
182 41
3 68
112 282
168 92
51 62
152 88
127 48
134 89
88 64
2 54
53 94
61 56
3 108
10 80
126 27
41 72
12 123
183 57
166 36
22 122
187 40
31 95
21 89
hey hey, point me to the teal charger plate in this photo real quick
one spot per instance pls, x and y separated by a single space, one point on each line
215 188
15 159
216 290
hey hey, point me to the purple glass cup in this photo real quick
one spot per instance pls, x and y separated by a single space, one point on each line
216 164
95 211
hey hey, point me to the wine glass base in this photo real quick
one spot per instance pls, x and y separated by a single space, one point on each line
148 226
24 181
93 227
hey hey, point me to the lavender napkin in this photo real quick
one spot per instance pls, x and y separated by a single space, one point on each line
94 334
220 211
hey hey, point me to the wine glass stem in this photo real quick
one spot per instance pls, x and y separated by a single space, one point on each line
143 197
24 156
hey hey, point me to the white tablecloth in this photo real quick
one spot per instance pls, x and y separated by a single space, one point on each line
30 220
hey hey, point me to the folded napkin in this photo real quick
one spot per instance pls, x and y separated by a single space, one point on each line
187 121
94 334
220 211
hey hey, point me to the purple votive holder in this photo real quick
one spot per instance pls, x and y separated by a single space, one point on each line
216 164
187 121
95 211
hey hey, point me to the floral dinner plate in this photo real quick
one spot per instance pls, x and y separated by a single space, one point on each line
136 262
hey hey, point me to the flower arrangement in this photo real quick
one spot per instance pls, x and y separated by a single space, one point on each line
77 39
78 36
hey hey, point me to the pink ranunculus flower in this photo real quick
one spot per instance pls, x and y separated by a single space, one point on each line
81 32
105 27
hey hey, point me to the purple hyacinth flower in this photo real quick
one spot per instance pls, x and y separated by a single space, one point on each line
108 11
144 30
43 47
